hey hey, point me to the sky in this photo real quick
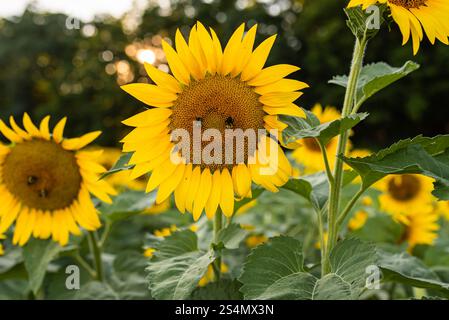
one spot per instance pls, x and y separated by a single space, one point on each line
82 9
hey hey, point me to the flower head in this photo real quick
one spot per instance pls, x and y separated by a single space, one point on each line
45 182
416 17
212 91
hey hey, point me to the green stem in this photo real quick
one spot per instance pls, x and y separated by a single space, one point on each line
335 188
218 224
105 234
326 162
96 253
85 265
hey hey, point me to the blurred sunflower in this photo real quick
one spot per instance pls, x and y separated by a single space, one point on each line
220 89
308 153
254 240
405 194
45 182
2 251
422 228
358 220
210 274
414 16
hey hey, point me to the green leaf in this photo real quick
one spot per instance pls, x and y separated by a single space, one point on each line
380 228
120 165
406 269
275 271
420 155
225 289
127 204
231 236
299 128
375 77
256 192
177 266
315 187
37 255
359 21
95 290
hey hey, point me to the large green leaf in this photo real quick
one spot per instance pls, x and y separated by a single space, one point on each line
380 228
177 266
126 204
37 255
231 236
375 77
95 290
225 289
404 268
299 128
275 271
420 155
315 187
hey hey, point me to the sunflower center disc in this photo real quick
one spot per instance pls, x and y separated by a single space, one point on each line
404 187
218 102
408 4
42 175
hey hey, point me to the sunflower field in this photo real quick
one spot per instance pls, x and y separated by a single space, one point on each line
247 150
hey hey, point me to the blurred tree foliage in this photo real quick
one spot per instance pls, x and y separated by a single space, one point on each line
47 68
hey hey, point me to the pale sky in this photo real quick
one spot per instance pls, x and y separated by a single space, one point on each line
81 9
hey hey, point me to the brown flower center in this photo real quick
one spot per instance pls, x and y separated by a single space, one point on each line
221 103
404 188
408 4
42 175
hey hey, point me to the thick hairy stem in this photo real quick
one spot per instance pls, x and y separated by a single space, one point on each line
96 253
336 186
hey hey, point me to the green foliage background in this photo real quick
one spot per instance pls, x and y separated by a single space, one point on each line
48 69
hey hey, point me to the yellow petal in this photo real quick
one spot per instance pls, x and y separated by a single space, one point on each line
44 128
162 78
241 178
193 188
22 133
159 175
29 126
176 66
81 142
58 131
186 56
283 85
202 194
258 59
196 49
207 46
183 187
150 94
148 117
227 194
217 49
291 110
246 51
272 74
232 50
215 195
169 185
279 99
8 133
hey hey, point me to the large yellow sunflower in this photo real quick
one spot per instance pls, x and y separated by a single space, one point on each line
309 153
414 16
421 228
45 182
405 194
217 89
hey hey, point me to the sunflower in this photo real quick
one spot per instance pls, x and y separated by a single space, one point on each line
405 194
414 16
216 89
358 220
309 153
253 241
421 228
210 274
46 182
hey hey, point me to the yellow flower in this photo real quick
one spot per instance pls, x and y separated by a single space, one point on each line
358 220
210 275
414 16
404 194
158 208
216 89
309 152
2 252
367 201
421 228
255 240
46 182
149 252
246 207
